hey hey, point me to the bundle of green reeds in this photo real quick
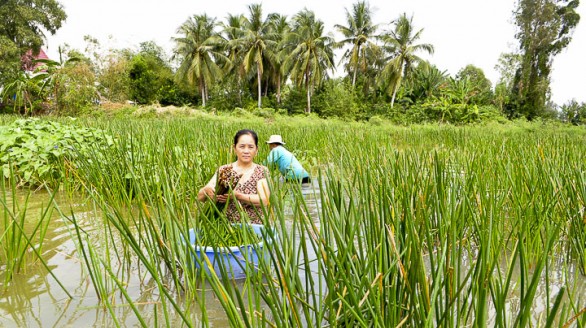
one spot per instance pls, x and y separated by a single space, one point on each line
227 179
225 234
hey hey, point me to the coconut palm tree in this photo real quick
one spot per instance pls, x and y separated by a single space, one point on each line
232 31
280 28
401 44
359 32
372 63
257 43
198 51
311 53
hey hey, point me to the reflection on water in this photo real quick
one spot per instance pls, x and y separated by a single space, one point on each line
310 193
34 299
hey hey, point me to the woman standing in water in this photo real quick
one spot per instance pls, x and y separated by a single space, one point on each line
246 179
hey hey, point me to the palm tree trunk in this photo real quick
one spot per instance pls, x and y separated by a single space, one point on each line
239 90
397 84
258 75
203 93
207 91
356 68
394 94
279 89
308 93
308 100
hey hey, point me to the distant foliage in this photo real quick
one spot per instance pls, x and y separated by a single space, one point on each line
544 29
336 99
151 80
444 111
143 80
78 90
114 82
257 60
480 87
574 112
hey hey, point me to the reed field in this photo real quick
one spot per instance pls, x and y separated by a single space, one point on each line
420 226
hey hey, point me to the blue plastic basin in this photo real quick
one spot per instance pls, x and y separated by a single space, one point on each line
234 260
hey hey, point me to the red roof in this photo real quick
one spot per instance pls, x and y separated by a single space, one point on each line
27 59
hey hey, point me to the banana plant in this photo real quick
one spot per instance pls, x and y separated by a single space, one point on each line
53 73
21 92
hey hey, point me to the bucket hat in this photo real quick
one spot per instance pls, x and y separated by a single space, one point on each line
275 138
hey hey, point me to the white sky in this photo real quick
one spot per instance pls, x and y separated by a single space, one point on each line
462 31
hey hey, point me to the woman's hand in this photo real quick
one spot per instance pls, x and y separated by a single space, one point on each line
251 199
222 198
238 196
205 193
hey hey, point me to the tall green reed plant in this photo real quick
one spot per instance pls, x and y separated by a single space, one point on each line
21 241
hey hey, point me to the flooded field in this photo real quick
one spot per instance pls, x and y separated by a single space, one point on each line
430 226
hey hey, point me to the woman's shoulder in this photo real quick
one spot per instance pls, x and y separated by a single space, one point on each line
225 166
262 168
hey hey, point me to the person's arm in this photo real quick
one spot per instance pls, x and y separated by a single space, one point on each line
262 196
278 158
270 159
208 191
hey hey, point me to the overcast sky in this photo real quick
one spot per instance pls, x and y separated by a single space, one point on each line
462 31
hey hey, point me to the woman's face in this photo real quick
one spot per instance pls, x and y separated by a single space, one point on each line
245 149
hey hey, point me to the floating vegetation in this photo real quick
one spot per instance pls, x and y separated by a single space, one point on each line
41 152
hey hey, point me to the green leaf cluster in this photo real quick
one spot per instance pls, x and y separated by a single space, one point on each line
22 28
43 152
150 78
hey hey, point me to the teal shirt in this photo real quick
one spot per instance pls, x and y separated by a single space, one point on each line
287 164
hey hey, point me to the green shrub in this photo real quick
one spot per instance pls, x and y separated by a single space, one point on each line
78 90
241 112
336 98
376 120
294 100
265 112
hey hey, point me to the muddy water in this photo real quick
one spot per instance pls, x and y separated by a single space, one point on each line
34 298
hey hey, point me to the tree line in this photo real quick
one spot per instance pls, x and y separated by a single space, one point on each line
268 63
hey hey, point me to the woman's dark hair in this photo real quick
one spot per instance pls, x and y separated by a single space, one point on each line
244 132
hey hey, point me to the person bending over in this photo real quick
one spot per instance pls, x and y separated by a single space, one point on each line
285 161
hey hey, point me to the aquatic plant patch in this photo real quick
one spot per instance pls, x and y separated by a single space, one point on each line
38 151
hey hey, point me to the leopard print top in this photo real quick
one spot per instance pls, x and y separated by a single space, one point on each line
253 212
